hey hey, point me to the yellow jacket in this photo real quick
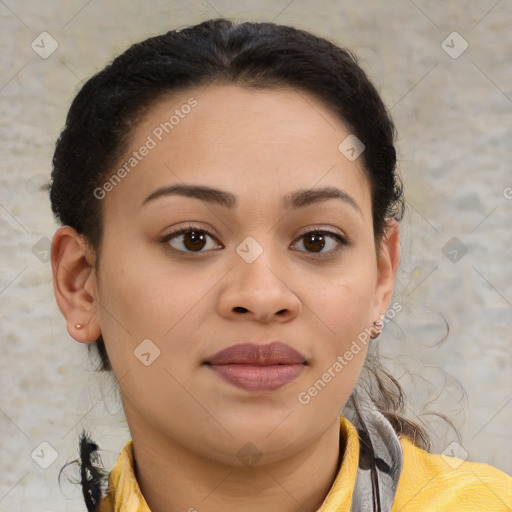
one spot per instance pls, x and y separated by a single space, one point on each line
428 482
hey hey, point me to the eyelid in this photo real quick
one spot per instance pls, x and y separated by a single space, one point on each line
324 229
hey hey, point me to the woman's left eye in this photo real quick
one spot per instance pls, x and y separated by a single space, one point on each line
317 240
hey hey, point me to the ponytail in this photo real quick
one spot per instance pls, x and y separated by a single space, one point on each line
93 476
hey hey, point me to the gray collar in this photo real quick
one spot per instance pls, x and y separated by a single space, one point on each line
380 461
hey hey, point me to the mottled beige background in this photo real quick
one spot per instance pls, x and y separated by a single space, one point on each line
454 117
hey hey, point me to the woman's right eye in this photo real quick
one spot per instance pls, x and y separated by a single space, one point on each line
194 239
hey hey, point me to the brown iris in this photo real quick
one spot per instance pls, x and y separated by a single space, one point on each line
197 240
314 242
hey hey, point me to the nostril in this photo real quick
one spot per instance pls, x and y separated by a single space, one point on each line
240 309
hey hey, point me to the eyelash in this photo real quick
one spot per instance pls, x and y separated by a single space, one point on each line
342 241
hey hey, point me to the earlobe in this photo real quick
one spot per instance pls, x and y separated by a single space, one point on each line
74 284
388 261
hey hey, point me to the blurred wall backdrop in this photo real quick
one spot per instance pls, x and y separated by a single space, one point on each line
445 71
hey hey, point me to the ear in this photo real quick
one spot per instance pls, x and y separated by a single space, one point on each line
74 283
388 260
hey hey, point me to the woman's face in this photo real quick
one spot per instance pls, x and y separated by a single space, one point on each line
253 272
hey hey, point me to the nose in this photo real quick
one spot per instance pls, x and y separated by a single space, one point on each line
256 291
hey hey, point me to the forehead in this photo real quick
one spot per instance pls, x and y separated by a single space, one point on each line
256 143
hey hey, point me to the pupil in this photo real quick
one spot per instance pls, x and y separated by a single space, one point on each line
197 240
315 238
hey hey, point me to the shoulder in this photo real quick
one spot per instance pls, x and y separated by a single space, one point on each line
440 482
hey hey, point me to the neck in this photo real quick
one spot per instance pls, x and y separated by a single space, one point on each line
173 479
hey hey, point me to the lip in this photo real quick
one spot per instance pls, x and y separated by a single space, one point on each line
256 367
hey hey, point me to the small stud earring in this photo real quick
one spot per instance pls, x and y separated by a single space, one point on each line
378 324
79 326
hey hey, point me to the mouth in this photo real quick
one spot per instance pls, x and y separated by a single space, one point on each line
259 368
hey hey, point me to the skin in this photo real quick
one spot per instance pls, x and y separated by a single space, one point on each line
187 424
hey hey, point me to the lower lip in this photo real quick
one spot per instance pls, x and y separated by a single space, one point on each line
258 378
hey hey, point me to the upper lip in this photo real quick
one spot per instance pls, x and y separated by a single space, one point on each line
272 353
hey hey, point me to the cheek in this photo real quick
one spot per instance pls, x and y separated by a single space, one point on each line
342 304
142 297
342 311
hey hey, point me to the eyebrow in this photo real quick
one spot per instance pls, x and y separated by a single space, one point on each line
292 200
